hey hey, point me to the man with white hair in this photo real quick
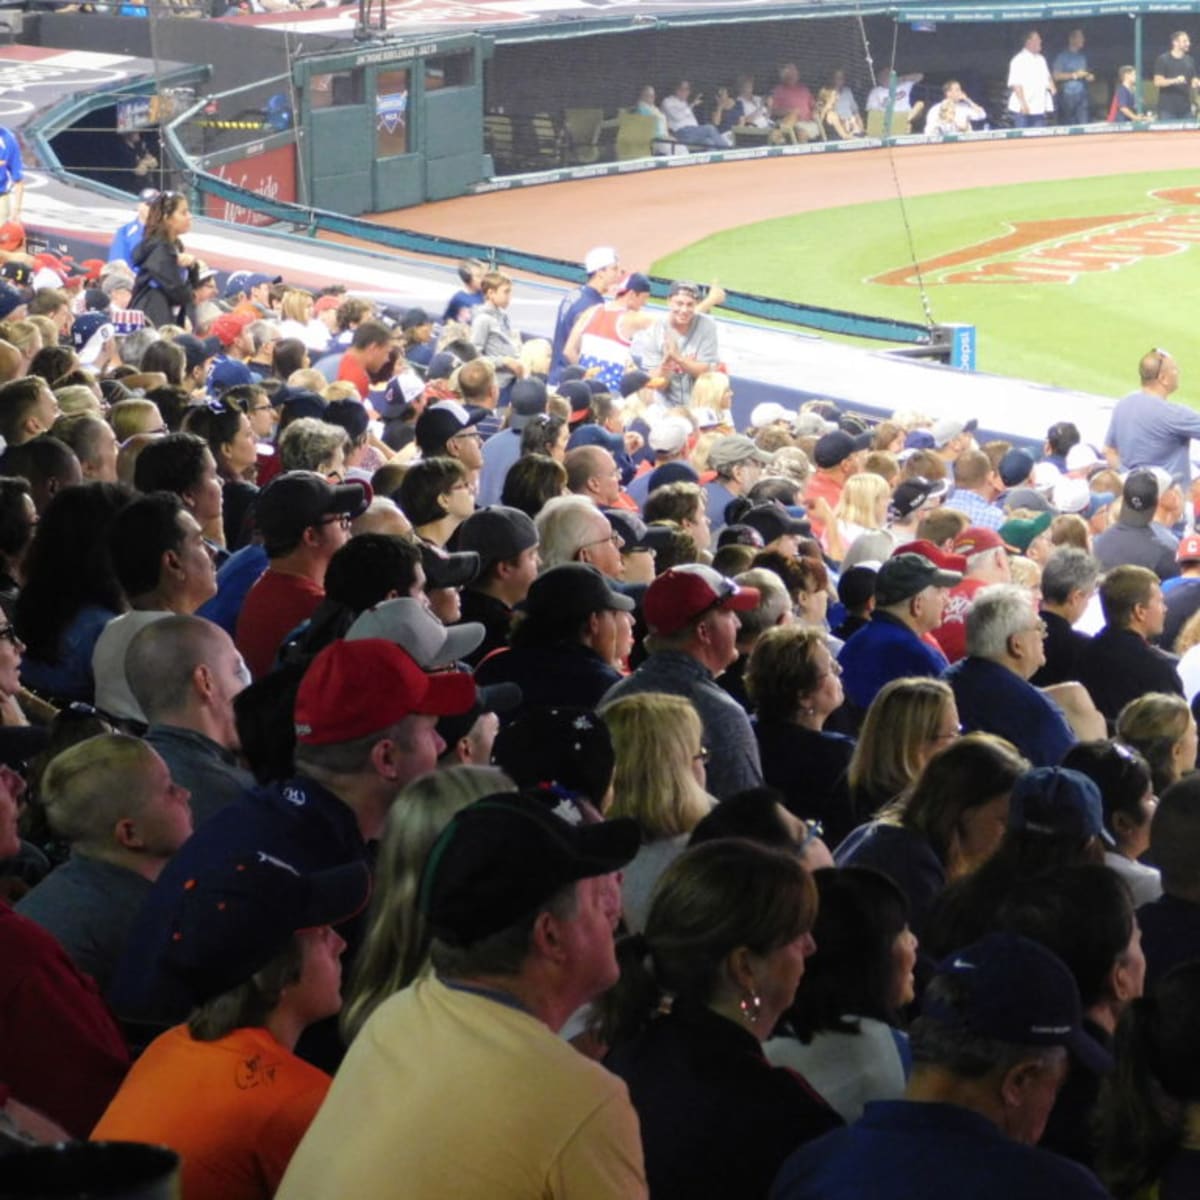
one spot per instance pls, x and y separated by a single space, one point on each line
987 563
573 529
991 685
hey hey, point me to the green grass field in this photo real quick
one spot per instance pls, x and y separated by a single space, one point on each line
1087 333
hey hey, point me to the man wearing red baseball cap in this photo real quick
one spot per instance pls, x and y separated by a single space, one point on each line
365 722
693 638
985 561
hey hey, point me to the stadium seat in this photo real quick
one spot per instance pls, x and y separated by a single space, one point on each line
583 127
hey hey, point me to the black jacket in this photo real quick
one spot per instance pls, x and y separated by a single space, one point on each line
1118 666
163 290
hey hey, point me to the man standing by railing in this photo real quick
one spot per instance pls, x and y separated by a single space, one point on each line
1030 86
12 176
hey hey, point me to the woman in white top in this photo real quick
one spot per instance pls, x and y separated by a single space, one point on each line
840 1032
658 780
862 507
1123 777
298 321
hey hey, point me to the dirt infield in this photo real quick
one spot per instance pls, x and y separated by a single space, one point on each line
652 213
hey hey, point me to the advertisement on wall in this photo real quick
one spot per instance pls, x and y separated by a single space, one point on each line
269 173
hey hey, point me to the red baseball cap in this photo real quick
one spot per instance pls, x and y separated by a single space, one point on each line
976 539
228 325
353 689
12 235
939 557
1189 548
682 594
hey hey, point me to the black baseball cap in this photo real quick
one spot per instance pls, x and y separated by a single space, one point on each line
446 570
564 748
904 575
503 856
774 521
444 420
292 502
573 589
837 446
497 533
913 494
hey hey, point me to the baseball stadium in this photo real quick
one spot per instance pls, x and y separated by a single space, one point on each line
420 134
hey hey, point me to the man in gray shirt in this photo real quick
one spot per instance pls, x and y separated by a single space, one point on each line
691 611
682 345
185 672
1146 430
114 801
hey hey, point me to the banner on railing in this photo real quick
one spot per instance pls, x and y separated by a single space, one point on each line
268 173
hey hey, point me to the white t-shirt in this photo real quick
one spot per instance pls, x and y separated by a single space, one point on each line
1029 72
678 113
878 98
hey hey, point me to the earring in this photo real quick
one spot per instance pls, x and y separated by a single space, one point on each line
751 1006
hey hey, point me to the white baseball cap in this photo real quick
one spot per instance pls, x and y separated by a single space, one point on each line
599 257
769 413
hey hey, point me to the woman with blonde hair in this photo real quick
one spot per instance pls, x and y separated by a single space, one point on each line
395 950
658 780
907 723
861 508
714 390
1162 729
535 358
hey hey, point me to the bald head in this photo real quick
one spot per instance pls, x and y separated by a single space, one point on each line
162 659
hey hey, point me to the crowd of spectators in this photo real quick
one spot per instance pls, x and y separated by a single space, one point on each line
433 754
1036 92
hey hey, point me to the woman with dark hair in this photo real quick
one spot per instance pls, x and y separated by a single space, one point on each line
795 683
840 1033
1055 820
51 363
1123 777
1150 1105
545 434
1085 915
726 940
167 358
70 590
166 274
291 354
18 519
437 496
949 823
226 429
531 481
758 815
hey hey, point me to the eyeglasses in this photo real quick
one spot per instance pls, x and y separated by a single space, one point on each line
342 519
469 434
261 408
702 755
812 831
1041 629
9 634
956 732
616 539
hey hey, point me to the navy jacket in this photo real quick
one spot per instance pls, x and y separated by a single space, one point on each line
904 1150
882 650
551 676
1119 665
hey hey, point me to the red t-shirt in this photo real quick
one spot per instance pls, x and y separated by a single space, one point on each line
60 1049
825 487
351 369
951 634
273 607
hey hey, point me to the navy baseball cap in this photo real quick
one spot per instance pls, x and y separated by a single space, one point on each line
503 856
1057 800
1015 991
231 919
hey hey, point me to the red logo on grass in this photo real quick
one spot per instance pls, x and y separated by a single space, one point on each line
1062 249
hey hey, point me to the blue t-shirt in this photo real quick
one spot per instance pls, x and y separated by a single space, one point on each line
11 168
